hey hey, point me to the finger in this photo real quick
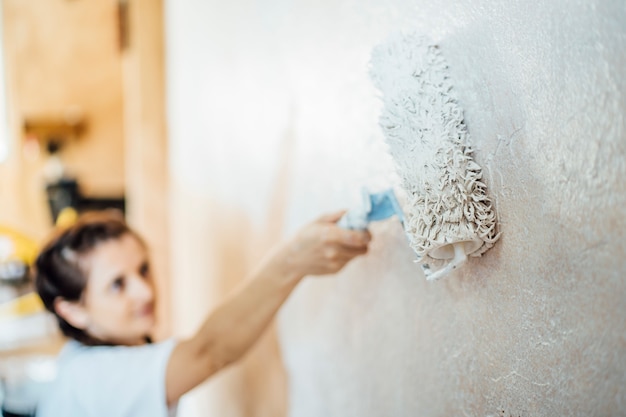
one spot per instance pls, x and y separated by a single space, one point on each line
349 253
331 217
339 252
353 238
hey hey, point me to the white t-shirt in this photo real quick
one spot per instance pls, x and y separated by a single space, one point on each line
107 381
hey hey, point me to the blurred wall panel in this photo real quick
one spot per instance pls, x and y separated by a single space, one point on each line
231 119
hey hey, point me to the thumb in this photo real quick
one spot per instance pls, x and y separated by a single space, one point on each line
332 217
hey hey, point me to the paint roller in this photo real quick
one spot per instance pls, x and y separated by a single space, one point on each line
448 215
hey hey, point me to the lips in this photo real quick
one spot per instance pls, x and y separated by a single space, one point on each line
146 311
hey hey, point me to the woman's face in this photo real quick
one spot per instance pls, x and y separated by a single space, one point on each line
119 298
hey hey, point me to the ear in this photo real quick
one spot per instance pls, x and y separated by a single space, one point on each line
72 312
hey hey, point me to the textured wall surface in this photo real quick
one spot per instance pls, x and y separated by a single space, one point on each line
273 118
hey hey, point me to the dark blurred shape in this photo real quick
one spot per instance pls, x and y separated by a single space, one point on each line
66 193
123 24
13 272
7 413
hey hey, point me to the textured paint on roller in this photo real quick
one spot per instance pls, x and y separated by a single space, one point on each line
423 123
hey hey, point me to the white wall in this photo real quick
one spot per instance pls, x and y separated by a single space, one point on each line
273 118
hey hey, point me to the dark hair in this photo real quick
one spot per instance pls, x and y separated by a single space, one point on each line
58 270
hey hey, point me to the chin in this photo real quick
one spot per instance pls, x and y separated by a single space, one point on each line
140 330
148 326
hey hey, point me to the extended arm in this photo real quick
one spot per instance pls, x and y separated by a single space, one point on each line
233 327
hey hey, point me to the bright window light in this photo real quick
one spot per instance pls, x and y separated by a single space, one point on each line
4 130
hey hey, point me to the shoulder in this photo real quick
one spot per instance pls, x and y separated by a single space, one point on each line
75 353
104 363
79 361
92 377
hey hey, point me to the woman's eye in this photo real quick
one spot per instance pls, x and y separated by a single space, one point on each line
118 284
144 270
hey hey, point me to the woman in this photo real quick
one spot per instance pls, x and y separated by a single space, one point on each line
95 278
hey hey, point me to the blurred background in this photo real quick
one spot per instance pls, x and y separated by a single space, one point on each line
72 92
219 127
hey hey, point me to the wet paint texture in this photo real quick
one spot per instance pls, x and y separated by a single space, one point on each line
447 201
534 327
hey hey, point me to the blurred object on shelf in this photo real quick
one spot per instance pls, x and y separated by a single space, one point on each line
62 194
18 332
63 190
66 202
59 128
13 272
23 320
21 306
23 380
25 323
66 217
17 253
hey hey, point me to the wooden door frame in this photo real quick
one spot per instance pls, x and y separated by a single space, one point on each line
147 173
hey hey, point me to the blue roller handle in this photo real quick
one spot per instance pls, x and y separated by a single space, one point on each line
376 207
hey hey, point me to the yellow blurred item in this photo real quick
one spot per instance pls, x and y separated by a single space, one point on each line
15 245
67 217
24 305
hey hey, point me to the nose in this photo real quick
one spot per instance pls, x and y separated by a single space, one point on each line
142 289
